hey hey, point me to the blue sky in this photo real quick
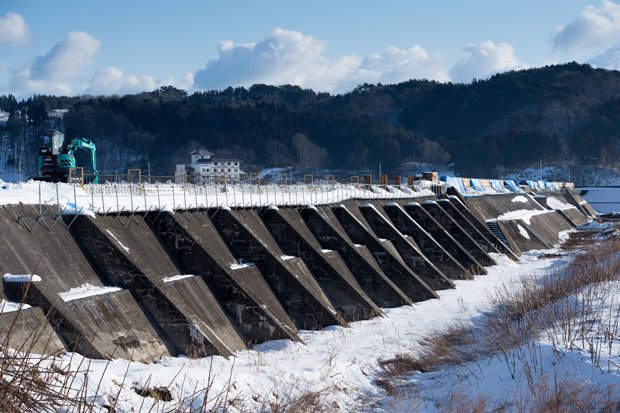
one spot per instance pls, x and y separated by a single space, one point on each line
115 47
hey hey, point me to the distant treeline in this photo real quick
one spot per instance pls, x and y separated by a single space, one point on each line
562 112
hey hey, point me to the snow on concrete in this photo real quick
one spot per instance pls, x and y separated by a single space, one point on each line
86 290
524 215
523 232
91 198
241 265
287 257
339 361
176 277
519 198
11 307
554 203
118 241
21 278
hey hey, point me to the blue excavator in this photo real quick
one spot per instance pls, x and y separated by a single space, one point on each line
56 159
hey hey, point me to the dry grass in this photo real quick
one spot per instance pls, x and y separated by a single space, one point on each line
563 303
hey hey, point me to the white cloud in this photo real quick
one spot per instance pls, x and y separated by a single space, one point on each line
13 29
290 57
112 81
485 59
595 27
62 69
396 65
610 59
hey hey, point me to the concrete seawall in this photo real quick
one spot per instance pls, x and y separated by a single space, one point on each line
218 280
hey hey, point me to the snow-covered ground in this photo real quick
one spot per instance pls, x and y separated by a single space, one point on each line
142 197
340 363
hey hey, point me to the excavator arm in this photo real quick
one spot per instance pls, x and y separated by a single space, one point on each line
89 146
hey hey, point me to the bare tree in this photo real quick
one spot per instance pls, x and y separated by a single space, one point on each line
309 155
278 153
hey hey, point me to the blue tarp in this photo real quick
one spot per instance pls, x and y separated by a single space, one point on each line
476 184
512 185
498 185
455 182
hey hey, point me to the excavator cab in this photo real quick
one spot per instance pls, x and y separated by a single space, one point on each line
57 159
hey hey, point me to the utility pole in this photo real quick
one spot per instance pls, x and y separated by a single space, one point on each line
148 165
379 171
19 168
541 173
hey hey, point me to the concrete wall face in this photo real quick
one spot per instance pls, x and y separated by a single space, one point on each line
326 228
290 279
198 249
435 210
392 264
100 325
482 241
217 281
335 279
442 236
479 223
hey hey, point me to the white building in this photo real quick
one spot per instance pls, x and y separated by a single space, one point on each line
205 169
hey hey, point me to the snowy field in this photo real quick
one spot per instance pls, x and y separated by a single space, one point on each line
341 364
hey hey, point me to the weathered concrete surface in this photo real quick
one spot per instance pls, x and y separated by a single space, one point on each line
291 281
416 258
513 229
467 226
574 215
451 245
193 241
492 206
436 211
328 269
328 231
581 204
548 227
29 331
385 252
481 226
98 324
131 257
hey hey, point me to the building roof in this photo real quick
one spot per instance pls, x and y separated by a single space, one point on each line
225 160
201 152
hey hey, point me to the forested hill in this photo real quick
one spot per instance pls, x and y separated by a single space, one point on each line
563 112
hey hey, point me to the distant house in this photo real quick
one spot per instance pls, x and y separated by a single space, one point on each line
204 169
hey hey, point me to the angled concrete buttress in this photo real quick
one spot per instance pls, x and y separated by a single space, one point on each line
327 230
327 267
442 236
28 330
185 310
393 265
450 225
107 325
468 227
289 278
195 244
407 248
482 227
435 259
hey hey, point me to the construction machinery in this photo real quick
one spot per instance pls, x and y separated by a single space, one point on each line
57 160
